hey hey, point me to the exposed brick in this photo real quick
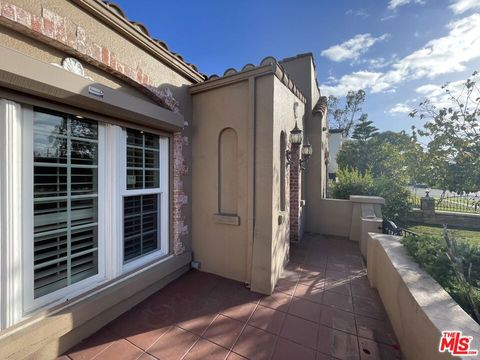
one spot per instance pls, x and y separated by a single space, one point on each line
113 61
37 24
81 41
48 23
23 17
139 74
120 68
71 33
8 11
129 72
97 52
295 185
105 56
60 29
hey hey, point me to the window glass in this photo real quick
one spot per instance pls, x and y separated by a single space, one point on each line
65 188
140 230
142 160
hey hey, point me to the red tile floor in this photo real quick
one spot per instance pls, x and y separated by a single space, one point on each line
322 308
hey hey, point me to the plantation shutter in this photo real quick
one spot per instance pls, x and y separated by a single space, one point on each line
65 200
141 212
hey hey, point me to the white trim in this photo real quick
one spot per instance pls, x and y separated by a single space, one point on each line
30 304
10 211
163 198
113 222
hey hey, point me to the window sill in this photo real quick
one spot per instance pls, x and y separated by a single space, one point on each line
90 310
225 219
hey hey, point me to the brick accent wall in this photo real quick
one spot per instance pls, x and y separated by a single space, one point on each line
61 33
180 198
295 193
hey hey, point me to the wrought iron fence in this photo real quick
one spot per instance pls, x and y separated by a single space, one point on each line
468 203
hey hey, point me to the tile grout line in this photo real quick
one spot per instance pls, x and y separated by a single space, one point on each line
199 337
243 327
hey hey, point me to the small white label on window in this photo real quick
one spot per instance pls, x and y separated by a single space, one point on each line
131 180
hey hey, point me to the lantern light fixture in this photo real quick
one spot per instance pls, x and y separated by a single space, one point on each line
307 151
296 137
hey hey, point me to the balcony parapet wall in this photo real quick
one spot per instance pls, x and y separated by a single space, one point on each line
419 309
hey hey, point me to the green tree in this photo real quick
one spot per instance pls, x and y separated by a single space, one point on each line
453 151
343 115
370 151
364 130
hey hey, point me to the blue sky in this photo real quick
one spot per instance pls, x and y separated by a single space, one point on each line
398 50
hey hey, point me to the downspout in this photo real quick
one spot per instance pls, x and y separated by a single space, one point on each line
251 177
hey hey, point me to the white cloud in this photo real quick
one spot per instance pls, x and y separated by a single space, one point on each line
352 48
359 12
438 96
376 63
400 109
354 81
439 56
460 6
393 4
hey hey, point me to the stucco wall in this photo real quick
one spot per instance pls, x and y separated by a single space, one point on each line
262 244
334 217
419 309
334 145
220 247
283 120
303 72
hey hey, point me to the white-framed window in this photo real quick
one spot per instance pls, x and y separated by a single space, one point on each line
74 190
144 192
63 188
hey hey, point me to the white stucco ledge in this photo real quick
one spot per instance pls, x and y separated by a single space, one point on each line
418 307
367 199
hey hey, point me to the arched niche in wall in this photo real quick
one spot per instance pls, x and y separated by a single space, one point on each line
227 172
283 166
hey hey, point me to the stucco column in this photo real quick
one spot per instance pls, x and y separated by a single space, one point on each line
295 186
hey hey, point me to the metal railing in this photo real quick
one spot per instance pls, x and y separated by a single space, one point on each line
390 228
468 203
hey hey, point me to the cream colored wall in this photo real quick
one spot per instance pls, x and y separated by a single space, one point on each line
126 52
221 248
283 120
335 141
334 217
262 245
419 309
303 72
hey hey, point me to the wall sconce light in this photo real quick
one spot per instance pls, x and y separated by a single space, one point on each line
296 135
296 138
307 151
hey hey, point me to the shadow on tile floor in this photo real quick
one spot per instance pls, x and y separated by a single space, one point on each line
322 308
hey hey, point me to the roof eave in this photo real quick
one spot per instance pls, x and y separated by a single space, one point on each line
105 14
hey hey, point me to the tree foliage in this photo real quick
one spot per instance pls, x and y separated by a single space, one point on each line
386 154
344 114
453 152
353 182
